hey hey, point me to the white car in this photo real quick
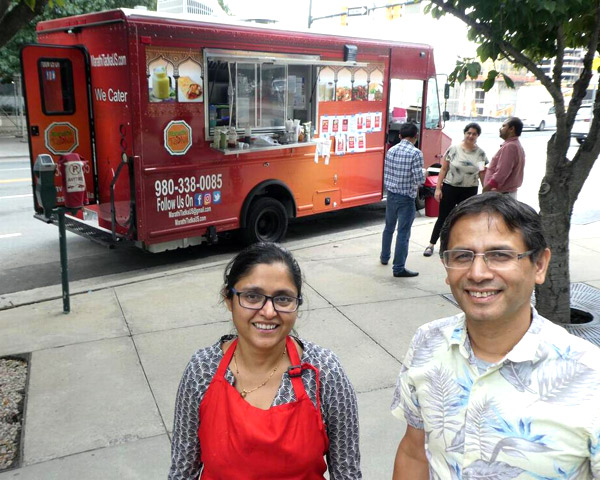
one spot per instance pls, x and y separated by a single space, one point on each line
541 119
583 120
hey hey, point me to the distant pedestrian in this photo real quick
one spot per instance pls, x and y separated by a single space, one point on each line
497 391
505 172
402 174
462 169
264 403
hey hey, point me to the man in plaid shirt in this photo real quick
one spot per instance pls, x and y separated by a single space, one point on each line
402 174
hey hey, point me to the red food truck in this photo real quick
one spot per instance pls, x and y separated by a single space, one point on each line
188 128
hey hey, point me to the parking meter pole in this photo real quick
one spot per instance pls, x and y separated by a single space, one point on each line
64 269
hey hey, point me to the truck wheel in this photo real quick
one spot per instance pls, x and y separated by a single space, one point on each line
266 222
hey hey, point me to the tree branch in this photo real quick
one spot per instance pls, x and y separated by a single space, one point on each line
582 83
560 56
516 54
4 4
17 17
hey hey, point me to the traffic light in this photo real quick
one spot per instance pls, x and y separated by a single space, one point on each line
393 12
344 16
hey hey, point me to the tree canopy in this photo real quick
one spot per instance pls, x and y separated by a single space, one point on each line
18 19
525 32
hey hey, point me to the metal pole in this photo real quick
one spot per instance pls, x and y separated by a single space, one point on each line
309 14
19 103
64 269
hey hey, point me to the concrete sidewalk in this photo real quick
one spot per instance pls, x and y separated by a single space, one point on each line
103 379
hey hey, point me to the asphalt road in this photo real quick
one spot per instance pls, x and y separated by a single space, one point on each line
30 256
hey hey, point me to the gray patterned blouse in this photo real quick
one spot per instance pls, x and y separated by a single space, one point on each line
338 407
463 170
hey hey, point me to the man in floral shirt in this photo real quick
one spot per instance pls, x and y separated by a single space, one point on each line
497 391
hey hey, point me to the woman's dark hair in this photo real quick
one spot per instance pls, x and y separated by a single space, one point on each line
516 215
473 125
263 253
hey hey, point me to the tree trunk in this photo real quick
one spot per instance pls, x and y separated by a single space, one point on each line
556 205
553 296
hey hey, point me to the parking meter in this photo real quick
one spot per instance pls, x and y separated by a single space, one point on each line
45 191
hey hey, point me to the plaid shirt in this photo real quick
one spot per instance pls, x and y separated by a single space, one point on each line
403 170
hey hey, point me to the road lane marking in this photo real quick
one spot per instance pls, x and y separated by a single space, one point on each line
9 197
10 235
16 180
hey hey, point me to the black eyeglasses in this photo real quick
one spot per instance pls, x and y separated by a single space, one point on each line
494 259
256 301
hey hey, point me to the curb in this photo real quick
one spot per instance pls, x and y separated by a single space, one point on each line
94 284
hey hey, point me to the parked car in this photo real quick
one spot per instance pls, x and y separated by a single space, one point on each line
540 118
583 120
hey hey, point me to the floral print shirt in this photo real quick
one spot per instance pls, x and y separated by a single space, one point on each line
533 415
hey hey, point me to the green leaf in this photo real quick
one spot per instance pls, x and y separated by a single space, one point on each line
508 81
473 69
462 75
30 4
490 80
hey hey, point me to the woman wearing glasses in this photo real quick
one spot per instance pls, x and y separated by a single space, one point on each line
264 403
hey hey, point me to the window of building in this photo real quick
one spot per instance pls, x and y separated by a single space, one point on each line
479 92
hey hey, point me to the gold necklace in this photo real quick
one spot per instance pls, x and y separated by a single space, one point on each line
245 392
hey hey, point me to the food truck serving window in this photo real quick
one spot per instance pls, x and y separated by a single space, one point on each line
259 91
56 86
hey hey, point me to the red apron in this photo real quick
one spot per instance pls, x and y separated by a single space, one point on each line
239 441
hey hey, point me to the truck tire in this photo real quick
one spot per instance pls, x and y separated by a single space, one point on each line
266 221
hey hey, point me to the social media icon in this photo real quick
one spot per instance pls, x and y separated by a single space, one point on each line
198 200
216 196
207 199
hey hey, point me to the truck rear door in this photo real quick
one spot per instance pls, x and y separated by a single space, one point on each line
59 114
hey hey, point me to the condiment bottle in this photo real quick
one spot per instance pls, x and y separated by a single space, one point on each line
231 138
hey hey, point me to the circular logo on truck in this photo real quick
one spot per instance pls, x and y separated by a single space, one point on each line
178 137
61 137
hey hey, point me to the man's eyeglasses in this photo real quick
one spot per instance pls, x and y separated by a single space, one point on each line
495 259
256 301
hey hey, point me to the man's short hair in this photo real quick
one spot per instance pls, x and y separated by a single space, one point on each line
516 123
408 130
516 216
